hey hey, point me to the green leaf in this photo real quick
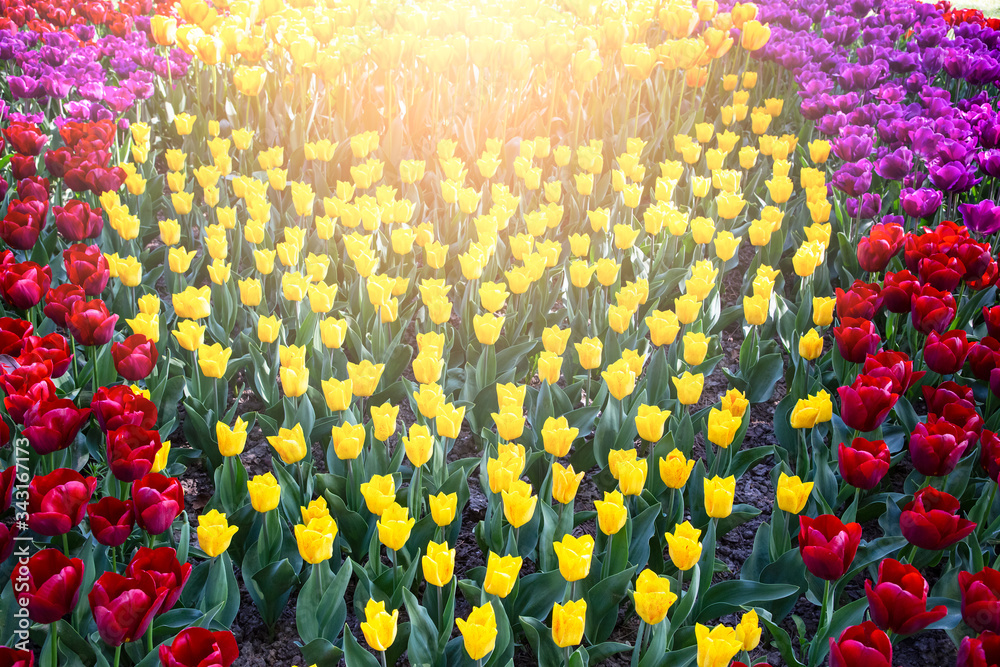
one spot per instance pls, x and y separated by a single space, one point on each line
727 597
602 604
540 638
422 648
354 655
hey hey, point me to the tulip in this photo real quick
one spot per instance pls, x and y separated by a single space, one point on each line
748 631
123 607
898 602
348 440
866 403
722 427
111 520
57 501
384 420
689 387
719 495
315 539
501 574
557 436
443 507
365 377
48 585
438 564
11 657
479 631
675 469
981 651
931 521
611 512
394 526
379 627
419 445
290 443
90 322
811 345
716 647
157 501
827 545
131 451
808 412
379 493
568 622
52 425
574 554
167 571
792 493
231 440
981 599
650 421
215 533
199 647
518 503
936 447
653 598
684 546
861 644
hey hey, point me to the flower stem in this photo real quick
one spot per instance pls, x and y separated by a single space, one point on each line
54 629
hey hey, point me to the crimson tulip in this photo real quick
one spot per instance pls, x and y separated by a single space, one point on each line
131 451
33 187
932 310
23 166
883 241
157 500
167 571
111 520
26 386
123 607
57 501
200 647
12 334
990 454
981 651
25 138
862 301
23 284
894 365
856 339
52 584
90 323
861 646
76 221
135 358
59 301
867 402
827 545
23 223
936 448
931 521
51 426
86 267
52 350
941 271
119 405
12 657
898 602
945 394
984 356
981 599
897 288
992 316
945 353
863 463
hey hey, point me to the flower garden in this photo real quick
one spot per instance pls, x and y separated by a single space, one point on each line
638 332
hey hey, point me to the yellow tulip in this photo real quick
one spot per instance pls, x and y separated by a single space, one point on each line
213 360
653 597
394 526
501 574
419 445
811 345
518 503
684 546
689 387
215 533
443 508
231 440
620 379
611 512
815 409
565 483
290 443
379 627
568 622
438 564
348 440
722 427
823 310
384 420
189 334
792 493
574 554
193 303
479 631
265 492
557 436
379 493
719 494
716 647
510 425
365 377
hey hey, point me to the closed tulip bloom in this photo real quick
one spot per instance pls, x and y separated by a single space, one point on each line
198 646
811 345
722 427
555 339
981 599
111 520
123 607
213 360
419 445
568 621
379 493
265 492
827 545
695 348
589 353
861 644
479 631
518 503
501 574
792 493
689 387
394 526
675 469
157 501
333 331
510 425
448 420
438 564
808 412
931 520
611 512
444 507
620 379
574 554
379 626
348 440
48 585
215 533
748 631
863 463
557 436
365 377
315 539
716 647
719 495
384 420
290 443
650 421
822 308
338 394
57 501
632 476
503 470
565 483
898 602
653 597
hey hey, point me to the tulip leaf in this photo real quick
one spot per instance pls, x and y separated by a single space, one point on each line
354 655
868 554
727 597
541 591
848 615
540 638
320 651
504 649
782 641
603 599
764 376
422 648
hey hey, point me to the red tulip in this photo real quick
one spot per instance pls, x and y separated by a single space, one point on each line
894 365
51 426
856 339
946 393
23 223
932 310
23 166
50 583
827 545
897 288
26 386
7 476
111 520
131 451
863 463
12 334
931 521
861 646
76 221
12 657
25 138
123 607
981 651
984 356
945 353
992 317
898 602
866 403
33 187
862 301
981 599
199 647
167 571
57 501
941 271
119 405
881 244
23 285
60 300
135 358
990 455
8 534
158 500
52 350
86 267
90 323
987 279
936 448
